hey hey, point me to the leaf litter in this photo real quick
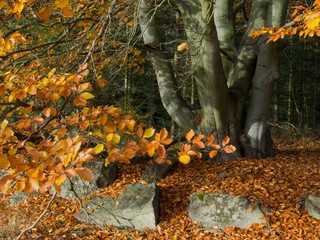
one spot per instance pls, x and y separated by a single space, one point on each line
280 183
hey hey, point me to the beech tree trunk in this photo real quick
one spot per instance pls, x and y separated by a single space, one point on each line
224 73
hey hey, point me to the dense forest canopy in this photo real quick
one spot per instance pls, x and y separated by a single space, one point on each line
68 66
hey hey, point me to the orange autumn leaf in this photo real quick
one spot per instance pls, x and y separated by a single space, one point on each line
85 174
161 151
229 149
190 135
225 141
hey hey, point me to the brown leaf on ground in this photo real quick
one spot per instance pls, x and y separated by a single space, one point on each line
279 183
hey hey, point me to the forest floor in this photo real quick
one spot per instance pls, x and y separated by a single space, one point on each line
279 183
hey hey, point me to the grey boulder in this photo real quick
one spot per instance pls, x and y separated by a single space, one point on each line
136 208
222 210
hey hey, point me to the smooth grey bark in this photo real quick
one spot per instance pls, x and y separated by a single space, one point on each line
198 18
240 76
225 25
195 27
171 98
213 84
256 127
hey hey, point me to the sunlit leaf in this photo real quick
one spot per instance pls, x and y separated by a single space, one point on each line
161 151
31 185
4 162
148 132
70 172
80 101
225 141
185 159
51 72
198 144
85 174
229 149
314 22
38 120
167 141
213 153
4 124
98 148
182 47
5 183
129 153
18 7
139 132
190 135
163 133
86 95
32 89
20 185
151 150
210 140
59 180
12 151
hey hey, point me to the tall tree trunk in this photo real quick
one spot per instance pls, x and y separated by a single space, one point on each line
222 91
266 74
171 98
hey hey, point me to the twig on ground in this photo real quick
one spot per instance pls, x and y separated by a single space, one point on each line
39 218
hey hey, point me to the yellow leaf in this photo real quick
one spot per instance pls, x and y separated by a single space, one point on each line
83 87
2 4
313 23
98 148
106 163
67 159
18 7
86 95
148 132
4 163
116 138
43 83
61 3
59 180
185 159
12 151
51 72
3 125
